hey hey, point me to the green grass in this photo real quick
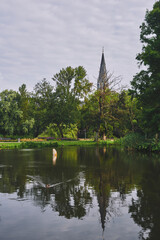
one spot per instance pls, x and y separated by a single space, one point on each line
27 145
7 145
131 142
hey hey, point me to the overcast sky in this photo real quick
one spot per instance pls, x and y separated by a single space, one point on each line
39 37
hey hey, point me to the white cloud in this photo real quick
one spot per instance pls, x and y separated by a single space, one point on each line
39 37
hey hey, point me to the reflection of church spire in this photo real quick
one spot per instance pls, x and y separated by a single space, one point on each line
102 78
102 201
103 193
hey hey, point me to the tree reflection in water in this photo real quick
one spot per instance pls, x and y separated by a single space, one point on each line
79 175
145 210
69 198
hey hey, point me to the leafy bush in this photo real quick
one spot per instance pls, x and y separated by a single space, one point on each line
53 131
134 141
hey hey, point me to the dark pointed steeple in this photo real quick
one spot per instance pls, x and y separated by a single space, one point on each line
102 78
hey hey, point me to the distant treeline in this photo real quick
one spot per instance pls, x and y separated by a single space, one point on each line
68 109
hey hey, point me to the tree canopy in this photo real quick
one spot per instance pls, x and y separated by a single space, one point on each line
71 87
146 83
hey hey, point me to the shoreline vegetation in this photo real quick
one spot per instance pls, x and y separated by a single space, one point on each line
133 141
56 143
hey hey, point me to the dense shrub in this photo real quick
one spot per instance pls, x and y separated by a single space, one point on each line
53 131
133 140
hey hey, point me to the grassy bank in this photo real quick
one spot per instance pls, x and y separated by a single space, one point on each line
131 141
27 145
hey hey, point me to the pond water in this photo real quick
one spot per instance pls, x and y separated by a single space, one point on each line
86 193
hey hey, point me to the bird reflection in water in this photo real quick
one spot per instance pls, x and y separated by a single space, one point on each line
37 180
39 183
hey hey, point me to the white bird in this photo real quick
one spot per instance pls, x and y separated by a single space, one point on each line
54 156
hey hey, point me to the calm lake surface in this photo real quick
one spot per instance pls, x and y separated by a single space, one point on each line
86 193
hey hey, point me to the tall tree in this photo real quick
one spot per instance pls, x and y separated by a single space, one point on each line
41 105
10 113
71 87
146 83
114 116
27 120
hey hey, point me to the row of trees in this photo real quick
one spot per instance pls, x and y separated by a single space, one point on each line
72 104
25 113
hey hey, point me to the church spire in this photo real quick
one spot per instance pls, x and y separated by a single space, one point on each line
102 78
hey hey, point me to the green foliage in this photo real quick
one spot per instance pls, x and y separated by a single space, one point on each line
136 141
66 109
23 113
31 144
72 81
71 86
28 125
146 84
71 132
15 108
41 105
114 114
133 140
10 114
53 131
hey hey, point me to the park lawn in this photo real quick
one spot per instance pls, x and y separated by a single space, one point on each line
9 145
31 144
